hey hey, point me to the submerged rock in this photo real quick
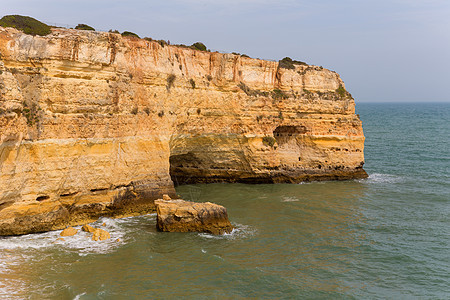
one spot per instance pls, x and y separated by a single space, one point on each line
100 235
186 216
69 231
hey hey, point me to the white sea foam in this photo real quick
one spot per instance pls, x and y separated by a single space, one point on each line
290 199
382 178
77 297
80 242
239 231
17 250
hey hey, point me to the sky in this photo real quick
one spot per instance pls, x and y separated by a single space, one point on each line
384 50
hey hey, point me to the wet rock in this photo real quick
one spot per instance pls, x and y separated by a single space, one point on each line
69 231
186 216
100 235
88 228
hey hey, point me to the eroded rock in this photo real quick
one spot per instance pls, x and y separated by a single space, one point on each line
100 235
186 216
88 228
244 120
69 231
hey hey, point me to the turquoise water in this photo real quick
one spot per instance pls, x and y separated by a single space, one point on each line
387 236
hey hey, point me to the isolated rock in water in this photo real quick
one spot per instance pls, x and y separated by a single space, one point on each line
100 235
185 216
69 231
88 228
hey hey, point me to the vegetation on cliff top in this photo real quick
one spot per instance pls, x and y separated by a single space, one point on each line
25 24
130 34
199 46
84 27
289 63
195 46
32 26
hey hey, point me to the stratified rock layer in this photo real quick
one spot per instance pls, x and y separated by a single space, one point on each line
186 216
94 124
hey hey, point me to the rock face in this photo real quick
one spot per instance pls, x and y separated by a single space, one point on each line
185 216
94 124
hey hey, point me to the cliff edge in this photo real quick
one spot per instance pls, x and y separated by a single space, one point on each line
95 124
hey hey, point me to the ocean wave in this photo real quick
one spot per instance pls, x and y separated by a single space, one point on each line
81 242
77 297
290 199
239 231
382 178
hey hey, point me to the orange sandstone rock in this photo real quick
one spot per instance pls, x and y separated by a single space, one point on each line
88 228
185 216
93 125
69 231
100 235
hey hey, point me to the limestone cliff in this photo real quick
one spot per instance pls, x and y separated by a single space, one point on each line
94 124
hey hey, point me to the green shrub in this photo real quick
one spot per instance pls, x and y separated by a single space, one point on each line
269 141
31 113
25 24
113 31
182 46
239 54
162 43
278 94
84 27
341 91
130 34
288 63
192 82
170 81
199 46
251 92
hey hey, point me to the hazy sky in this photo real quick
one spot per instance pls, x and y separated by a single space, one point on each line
385 50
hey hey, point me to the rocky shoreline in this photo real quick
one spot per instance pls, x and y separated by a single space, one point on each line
93 124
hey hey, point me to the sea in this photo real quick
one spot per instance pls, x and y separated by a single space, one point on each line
384 237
